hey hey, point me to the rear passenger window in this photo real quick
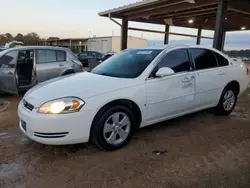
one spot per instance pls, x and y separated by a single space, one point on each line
178 60
60 55
50 55
46 56
221 60
204 59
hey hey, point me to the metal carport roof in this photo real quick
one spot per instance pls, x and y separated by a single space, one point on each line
179 12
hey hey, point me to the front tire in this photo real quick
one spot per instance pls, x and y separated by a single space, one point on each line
114 128
227 102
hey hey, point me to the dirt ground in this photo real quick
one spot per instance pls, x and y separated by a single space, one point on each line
199 150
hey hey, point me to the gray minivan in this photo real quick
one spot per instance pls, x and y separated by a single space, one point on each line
23 67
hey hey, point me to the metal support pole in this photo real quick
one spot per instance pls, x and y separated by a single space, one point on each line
124 34
166 38
223 40
198 42
220 24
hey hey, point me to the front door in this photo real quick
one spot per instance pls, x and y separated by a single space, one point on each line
8 77
172 95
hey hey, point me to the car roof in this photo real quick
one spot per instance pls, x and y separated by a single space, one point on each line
36 47
168 47
163 47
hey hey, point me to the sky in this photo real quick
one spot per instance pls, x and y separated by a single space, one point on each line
79 18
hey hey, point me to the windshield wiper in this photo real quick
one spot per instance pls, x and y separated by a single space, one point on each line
105 74
108 74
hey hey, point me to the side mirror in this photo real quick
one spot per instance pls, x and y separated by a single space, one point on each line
164 71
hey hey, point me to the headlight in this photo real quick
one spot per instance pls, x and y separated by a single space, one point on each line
61 106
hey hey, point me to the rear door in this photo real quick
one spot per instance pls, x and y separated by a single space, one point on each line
61 62
224 69
47 65
8 77
208 82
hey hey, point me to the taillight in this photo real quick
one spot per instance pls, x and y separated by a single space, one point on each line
247 69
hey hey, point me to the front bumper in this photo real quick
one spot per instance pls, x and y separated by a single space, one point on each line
61 129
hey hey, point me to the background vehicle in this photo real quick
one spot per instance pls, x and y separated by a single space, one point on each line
23 67
106 56
86 56
2 49
135 88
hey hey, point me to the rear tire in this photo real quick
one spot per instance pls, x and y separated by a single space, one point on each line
113 128
227 101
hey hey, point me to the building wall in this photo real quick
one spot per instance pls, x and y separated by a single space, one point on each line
116 44
133 42
102 44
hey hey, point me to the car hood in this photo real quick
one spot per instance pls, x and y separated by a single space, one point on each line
82 85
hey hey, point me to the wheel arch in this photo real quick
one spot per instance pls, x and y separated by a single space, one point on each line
135 109
235 84
68 71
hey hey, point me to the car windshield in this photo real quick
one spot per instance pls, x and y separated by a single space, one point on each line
127 64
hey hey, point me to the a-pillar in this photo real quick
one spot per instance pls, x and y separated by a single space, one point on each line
166 38
198 42
220 24
124 34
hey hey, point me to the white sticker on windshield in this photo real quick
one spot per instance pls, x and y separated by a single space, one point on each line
144 52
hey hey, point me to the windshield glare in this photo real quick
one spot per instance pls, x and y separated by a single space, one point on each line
127 64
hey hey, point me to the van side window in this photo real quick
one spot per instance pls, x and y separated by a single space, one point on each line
204 59
60 55
221 60
9 60
45 56
50 55
178 60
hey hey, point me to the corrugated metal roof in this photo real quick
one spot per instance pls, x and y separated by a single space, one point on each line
202 12
144 2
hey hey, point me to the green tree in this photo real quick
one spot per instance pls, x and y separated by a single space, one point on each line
19 37
2 40
9 37
31 39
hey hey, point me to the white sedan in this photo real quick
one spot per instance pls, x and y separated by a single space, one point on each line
134 88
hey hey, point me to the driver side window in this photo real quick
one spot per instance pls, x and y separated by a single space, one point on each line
177 60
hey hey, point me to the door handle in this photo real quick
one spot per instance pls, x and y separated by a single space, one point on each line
10 73
61 65
222 73
188 79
